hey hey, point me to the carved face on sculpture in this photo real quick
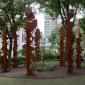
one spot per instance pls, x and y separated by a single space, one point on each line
37 31
28 11
71 14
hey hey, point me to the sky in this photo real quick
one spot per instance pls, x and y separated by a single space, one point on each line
40 20
40 17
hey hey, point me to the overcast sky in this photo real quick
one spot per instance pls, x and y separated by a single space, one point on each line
40 19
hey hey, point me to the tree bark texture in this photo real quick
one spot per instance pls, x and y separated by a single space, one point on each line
62 38
5 52
15 61
37 44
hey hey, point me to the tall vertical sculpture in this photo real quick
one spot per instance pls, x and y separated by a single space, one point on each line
69 42
62 38
37 44
15 62
79 50
31 24
5 52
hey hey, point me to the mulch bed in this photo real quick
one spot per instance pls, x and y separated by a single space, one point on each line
59 73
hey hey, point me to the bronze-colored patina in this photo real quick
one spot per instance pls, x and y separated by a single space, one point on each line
37 44
31 24
5 52
15 62
62 38
69 42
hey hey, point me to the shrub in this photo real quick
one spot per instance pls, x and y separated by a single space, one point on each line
21 60
49 55
21 52
46 67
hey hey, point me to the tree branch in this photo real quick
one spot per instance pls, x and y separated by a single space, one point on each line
75 13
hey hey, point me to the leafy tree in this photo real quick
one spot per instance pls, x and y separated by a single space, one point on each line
9 9
67 9
61 7
54 38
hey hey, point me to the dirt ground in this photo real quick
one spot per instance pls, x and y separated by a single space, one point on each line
59 73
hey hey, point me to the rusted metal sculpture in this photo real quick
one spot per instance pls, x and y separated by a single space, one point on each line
5 52
31 24
62 38
69 42
37 44
15 62
79 50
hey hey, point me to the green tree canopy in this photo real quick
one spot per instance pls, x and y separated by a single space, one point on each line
61 7
82 24
11 8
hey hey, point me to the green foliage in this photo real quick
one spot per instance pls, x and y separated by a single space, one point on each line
54 38
48 66
62 8
11 8
21 53
21 60
82 24
53 7
49 54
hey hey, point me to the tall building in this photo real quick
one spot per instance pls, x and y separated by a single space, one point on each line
49 25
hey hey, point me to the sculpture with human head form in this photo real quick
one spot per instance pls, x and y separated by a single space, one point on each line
70 14
30 26
31 22
29 14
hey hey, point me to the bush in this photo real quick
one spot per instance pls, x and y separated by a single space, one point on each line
46 67
21 60
21 52
49 55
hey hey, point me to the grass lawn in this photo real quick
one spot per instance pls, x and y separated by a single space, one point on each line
74 80
80 80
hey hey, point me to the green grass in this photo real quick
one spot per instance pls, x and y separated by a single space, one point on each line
80 80
74 80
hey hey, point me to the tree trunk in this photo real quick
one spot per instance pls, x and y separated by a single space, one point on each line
62 37
5 52
69 49
79 50
10 49
15 62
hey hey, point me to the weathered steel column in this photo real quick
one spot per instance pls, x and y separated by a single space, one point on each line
62 38
69 42
31 24
5 52
15 61
79 50
37 44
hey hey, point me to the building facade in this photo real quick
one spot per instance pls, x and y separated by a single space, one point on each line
49 25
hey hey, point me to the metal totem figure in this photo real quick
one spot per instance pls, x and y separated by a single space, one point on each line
15 62
62 38
37 44
31 24
5 52
69 42
79 50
